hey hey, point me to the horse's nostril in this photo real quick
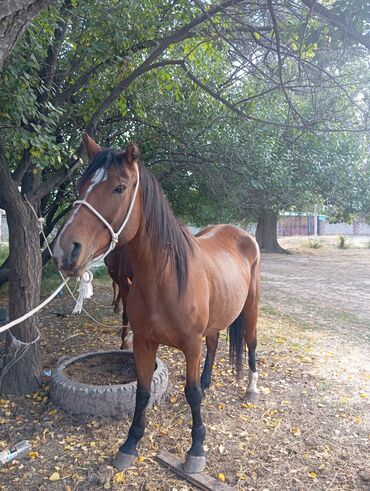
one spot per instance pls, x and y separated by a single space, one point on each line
76 250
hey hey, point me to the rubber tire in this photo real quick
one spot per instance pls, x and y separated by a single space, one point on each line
110 401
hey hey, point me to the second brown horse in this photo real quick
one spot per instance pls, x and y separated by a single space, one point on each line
120 271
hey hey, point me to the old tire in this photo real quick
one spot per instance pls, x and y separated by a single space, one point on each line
117 401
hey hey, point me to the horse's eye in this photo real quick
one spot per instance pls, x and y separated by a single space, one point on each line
119 189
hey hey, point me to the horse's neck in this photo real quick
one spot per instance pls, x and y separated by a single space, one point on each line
143 265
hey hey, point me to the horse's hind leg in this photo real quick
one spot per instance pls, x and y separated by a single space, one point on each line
205 379
251 315
145 354
124 291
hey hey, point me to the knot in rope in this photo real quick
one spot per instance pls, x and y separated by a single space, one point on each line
85 290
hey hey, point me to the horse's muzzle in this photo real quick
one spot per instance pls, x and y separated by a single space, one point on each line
68 262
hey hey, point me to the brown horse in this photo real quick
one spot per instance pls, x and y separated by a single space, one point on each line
120 271
183 288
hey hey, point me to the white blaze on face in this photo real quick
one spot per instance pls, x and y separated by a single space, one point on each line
99 176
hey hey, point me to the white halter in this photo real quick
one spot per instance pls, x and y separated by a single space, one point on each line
85 289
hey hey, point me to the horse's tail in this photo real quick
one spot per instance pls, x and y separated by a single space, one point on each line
237 344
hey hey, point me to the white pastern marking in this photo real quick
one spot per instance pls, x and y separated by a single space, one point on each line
252 385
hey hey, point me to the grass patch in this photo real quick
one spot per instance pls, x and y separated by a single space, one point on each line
101 273
313 244
51 278
343 242
4 251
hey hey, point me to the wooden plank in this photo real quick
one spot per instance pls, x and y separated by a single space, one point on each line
202 480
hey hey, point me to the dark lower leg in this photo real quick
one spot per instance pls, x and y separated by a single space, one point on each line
251 341
137 427
145 362
193 395
124 332
252 356
205 380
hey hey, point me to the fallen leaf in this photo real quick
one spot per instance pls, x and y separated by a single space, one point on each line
55 476
119 477
296 431
312 475
221 477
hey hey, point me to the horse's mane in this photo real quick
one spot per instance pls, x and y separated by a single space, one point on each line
168 239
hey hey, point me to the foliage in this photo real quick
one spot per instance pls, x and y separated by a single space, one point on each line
4 251
343 242
313 244
77 54
226 126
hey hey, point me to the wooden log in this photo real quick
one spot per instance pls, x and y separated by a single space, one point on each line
202 480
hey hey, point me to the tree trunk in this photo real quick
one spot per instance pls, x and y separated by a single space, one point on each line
15 16
22 366
266 233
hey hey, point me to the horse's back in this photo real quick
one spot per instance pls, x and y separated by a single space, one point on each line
219 238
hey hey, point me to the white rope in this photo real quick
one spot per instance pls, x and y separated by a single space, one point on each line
41 221
15 346
33 311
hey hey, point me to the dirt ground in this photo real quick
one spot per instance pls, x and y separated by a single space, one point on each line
309 431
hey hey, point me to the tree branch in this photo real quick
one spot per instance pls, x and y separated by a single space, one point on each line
173 38
337 21
56 179
14 19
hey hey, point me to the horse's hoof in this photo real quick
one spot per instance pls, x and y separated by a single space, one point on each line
194 464
123 460
124 345
252 397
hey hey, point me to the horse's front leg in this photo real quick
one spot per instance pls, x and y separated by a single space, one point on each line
195 458
145 354
205 379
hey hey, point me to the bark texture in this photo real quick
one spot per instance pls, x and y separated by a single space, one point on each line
266 233
22 366
15 16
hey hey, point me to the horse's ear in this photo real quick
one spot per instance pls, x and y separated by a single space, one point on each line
91 147
132 153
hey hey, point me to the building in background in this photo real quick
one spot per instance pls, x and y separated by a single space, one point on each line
4 232
291 224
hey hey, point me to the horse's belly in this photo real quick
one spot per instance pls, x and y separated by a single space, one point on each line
228 296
